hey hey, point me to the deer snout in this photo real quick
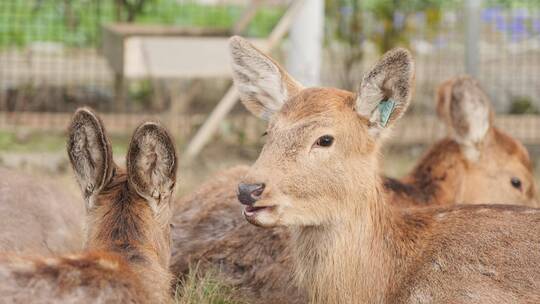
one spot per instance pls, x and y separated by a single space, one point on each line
248 194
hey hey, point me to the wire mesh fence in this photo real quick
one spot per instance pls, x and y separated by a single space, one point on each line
51 58
508 47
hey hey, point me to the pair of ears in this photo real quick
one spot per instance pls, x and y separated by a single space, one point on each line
151 158
264 86
466 110
383 96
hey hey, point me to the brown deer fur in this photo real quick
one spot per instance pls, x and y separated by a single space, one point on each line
208 229
349 244
38 216
127 243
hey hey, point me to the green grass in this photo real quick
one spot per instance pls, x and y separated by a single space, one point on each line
39 142
204 288
34 142
79 25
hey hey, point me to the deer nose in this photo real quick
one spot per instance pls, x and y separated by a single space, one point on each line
248 194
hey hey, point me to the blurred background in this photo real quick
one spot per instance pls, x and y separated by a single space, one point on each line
166 59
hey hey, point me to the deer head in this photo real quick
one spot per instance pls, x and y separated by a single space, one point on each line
127 211
322 143
493 160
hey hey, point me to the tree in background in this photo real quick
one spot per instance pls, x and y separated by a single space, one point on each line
127 10
345 36
386 23
392 17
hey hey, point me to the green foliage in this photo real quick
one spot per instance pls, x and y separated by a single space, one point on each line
344 21
347 23
513 3
128 10
344 29
392 35
522 105
36 142
77 23
13 142
74 23
406 6
140 92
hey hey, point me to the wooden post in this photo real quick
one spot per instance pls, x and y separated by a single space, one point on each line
119 90
225 105
179 102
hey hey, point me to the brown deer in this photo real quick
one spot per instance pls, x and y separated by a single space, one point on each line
38 216
476 156
42 220
127 243
318 175
208 230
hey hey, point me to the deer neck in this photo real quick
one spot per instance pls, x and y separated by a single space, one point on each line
123 230
356 259
155 280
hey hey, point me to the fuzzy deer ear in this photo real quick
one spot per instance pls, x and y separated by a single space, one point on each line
90 153
470 115
151 163
444 94
262 84
385 91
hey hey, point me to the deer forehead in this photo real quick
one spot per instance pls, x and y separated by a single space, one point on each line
314 109
512 148
318 101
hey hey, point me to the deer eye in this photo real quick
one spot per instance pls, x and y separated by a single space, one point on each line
516 183
324 141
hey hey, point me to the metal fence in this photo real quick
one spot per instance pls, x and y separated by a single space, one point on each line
51 59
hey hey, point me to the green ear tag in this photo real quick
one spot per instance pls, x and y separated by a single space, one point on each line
385 108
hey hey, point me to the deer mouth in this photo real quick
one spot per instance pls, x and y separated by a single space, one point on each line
251 211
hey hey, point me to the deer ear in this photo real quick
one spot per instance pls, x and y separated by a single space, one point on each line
151 163
444 94
90 153
470 115
386 90
262 84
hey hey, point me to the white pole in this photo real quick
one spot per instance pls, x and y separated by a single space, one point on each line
229 100
305 43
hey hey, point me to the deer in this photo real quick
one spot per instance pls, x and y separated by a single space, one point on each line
126 251
318 176
49 224
209 231
38 216
474 157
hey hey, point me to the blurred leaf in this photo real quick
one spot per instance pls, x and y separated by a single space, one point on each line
522 105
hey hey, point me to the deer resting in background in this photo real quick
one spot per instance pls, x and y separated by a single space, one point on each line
127 244
318 175
476 164
38 216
